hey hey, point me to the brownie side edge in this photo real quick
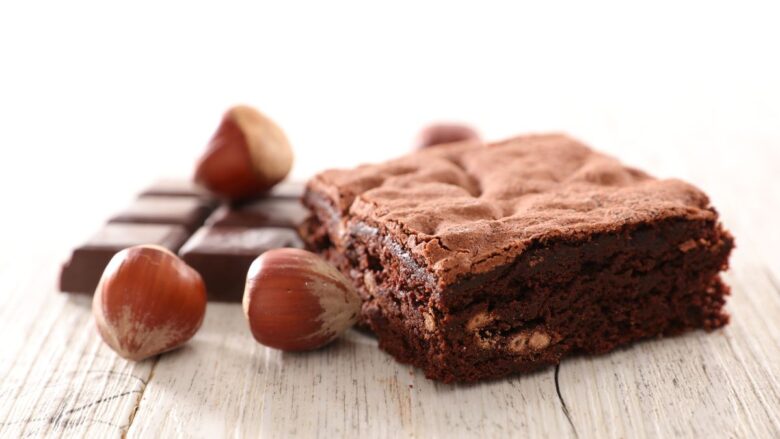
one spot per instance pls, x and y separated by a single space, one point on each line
430 328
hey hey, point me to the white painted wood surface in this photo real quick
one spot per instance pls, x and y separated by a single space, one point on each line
59 379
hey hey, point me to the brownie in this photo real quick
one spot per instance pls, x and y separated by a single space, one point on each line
222 255
477 261
82 272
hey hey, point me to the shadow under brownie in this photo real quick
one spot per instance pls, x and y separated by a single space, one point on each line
476 261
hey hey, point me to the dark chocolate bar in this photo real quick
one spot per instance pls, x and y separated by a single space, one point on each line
82 272
189 212
223 254
176 188
169 211
287 189
267 212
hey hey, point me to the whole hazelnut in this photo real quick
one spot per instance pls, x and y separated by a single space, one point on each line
247 155
295 301
436 134
148 301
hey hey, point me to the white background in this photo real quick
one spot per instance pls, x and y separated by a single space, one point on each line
97 98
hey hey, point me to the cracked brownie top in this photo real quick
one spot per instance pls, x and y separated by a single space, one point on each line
467 207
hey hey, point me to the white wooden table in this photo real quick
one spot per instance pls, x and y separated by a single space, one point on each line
57 378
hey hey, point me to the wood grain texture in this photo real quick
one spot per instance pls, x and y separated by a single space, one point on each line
59 379
57 375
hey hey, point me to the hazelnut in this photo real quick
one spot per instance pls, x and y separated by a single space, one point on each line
247 155
369 281
539 340
518 343
148 301
479 321
687 246
525 341
445 133
476 325
295 301
430 321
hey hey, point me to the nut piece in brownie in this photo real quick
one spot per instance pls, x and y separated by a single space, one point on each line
476 261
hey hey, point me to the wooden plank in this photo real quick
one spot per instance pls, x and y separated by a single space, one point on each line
225 384
696 385
210 388
57 376
59 379
232 386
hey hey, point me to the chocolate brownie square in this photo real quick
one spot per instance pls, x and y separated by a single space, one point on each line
476 261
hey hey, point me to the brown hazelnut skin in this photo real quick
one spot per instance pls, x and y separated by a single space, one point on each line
440 133
247 155
148 301
295 301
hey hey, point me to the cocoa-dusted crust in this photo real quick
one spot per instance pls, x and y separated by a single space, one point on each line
476 261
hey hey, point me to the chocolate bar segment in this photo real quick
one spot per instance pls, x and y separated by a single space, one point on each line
189 212
477 261
176 188
267 212
287 189
169 211
223 254
82 272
